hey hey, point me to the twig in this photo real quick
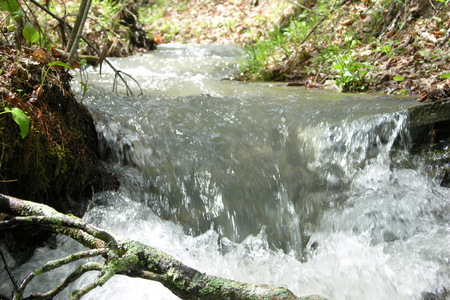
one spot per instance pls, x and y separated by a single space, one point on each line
78 28
312 30
7 270
81 270
63 24
118 74
51 265
106 274
61 21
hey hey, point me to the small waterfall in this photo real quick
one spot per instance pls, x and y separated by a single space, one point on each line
202 170
312 190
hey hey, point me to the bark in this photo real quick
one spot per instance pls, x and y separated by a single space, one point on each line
78 28
124 257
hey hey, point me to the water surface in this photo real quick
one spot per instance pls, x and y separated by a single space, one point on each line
257 182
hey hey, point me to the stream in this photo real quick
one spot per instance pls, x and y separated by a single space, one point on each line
314 190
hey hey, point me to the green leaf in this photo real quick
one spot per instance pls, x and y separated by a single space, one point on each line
21 119
423 53
59 63
9 5
348 74
445 75
30 33
398 78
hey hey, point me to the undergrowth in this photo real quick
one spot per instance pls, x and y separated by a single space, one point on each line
350 45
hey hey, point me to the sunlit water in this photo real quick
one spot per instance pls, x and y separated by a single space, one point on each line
312 190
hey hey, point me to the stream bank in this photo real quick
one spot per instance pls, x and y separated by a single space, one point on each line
378 46
57 163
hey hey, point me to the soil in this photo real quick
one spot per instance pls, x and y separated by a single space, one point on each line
57 163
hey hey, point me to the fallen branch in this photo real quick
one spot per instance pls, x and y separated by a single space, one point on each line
124 257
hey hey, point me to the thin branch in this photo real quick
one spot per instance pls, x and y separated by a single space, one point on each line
61 21
89 236
51 218
106 274
129 91
51 265
7 270
52 221
62 24
81 270
74 35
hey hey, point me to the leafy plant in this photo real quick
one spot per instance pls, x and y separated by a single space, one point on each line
20 118
30 33
386 49
351 74
9 5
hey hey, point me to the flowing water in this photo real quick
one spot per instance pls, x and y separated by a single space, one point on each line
313 190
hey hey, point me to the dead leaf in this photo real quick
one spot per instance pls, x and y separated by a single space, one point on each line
40 56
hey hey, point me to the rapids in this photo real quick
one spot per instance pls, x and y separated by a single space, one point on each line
310 189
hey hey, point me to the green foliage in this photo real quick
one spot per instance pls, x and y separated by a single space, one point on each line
257 56
386 49
445 75
107 13
60 64
398 78
9 5
260 55
351 74
14 12
30 33
277 46
20 118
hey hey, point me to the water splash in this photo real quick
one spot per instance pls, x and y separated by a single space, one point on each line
311 190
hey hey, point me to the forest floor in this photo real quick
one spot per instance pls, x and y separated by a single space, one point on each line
375 46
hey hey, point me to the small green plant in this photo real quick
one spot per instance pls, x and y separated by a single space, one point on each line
45 69
30 33
15 13
386 49
351 74
257 58
20 118
444 1
398 78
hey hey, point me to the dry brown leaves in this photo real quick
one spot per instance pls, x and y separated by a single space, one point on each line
239 21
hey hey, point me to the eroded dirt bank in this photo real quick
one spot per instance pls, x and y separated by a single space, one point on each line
57 162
